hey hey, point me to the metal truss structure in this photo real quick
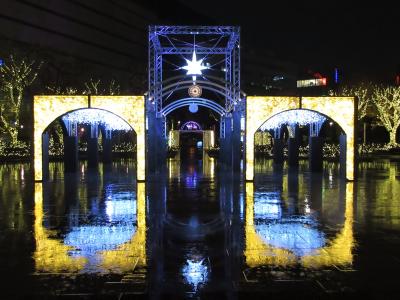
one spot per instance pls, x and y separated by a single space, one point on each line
162 42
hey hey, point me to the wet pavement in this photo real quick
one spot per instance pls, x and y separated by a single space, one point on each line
196 232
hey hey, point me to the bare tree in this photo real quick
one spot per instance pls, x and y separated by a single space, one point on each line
15 77
96 87
386 100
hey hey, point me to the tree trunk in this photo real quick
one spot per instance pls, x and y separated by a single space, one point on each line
392 135
365 133
14 135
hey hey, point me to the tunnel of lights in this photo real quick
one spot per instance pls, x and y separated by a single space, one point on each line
240 115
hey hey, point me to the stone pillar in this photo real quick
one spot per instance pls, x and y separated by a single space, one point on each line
150 140
293 146
160 144
315 192
70 153
107 146
236 143
227 152
315 154
277 147
45 156
92 147
156 141
278 150
221 156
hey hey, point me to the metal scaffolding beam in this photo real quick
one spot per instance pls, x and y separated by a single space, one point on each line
231 51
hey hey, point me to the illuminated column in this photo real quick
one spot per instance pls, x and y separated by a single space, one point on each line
71 147
315 146
278 146
107 146
293 145
208 140
92 148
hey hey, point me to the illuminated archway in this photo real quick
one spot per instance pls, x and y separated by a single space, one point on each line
48 108
342 110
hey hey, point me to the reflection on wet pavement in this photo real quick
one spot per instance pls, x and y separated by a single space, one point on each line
199 232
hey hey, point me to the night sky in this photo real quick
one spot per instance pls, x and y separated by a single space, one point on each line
361 40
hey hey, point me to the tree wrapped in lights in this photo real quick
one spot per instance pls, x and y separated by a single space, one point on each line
15 77
387 103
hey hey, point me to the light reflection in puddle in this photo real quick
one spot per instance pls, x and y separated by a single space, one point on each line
114 244
195 272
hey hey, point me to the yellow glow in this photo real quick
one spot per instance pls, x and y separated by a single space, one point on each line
212 138
174 168
132 110
258 253
173 140
51 255
48 108
136 247
45 110
337 252
208 166
258 110
170 138
342 111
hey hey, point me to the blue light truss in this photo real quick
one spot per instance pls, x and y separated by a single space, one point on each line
231 51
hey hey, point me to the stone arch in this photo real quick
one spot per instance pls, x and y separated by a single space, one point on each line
342 110
48 108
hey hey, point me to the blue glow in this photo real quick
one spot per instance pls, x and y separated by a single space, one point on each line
195 272
117 228
199 144
267 206
298 234
93 116
336 75
191 181
90 239
123 210
292 117
298 237
193 108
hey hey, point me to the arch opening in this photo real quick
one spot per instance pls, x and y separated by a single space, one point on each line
89 134
296 134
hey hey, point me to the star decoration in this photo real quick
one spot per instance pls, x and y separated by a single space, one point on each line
194 67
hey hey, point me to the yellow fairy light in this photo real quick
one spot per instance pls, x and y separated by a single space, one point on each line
260 109
48 108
